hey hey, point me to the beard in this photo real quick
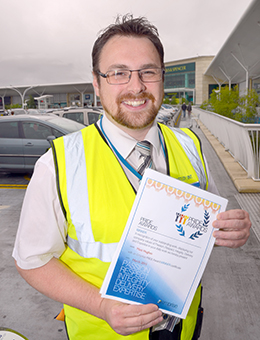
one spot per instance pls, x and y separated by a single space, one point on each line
134 120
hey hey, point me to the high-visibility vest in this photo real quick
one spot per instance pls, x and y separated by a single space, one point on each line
96 198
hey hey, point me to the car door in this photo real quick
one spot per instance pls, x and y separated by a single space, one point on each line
35 142
11 146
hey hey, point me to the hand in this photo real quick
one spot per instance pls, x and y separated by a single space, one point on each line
128 319
234 228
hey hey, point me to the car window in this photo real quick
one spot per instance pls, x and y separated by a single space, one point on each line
93 117
36 130
76 116
65 124
9 130
56 133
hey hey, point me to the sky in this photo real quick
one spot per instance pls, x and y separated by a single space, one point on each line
50 41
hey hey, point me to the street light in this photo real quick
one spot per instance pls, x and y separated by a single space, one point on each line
22 95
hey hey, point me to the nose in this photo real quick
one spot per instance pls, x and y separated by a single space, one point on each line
135 84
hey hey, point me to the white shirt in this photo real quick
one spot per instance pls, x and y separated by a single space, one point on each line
125 145
42 228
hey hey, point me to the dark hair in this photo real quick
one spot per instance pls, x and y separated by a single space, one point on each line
127 26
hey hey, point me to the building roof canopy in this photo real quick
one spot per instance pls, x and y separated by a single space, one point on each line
48 89
241 51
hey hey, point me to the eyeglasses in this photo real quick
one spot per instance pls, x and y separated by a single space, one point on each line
120 77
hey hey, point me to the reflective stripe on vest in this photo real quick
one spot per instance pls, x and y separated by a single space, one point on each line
85 245
192 153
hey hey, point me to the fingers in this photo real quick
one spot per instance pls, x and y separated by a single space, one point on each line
237 214
234 228
135 318
128 319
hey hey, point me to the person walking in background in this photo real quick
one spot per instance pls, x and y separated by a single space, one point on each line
82 191
184 107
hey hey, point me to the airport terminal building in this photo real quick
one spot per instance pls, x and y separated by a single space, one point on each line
183 79
237 63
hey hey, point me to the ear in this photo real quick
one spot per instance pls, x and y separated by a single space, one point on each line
95 84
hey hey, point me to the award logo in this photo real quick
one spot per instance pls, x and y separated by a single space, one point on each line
183 221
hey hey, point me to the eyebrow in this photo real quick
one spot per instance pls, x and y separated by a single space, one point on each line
125 67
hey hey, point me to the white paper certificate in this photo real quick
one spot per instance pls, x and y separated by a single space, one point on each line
165 246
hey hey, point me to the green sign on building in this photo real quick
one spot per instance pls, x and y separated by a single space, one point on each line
190 67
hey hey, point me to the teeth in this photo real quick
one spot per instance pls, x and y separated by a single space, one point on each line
135 103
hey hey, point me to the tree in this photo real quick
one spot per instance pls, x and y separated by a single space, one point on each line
247 110
166 100
228 103
31 103
170 100
225 102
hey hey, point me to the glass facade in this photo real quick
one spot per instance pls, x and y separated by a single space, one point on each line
7 101
256 86
180 76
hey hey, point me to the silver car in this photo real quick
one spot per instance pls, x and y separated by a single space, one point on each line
24 138
86 116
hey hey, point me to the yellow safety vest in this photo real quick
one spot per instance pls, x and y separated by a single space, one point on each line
96 198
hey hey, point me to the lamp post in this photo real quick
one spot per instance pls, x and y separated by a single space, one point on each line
22 95
3 102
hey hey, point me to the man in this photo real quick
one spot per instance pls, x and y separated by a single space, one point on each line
68 234
184 108
189 109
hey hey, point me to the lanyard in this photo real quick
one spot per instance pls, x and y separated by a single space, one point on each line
120 157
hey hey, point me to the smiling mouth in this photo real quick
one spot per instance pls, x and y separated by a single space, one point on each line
134 103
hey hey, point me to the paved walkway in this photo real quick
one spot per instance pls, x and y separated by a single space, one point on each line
247 191
231 280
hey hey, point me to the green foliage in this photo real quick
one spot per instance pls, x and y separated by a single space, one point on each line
204 105
171 101
247 109
174 100
225 102
13 106
31 103
228 103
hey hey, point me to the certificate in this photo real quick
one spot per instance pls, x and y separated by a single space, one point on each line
165 246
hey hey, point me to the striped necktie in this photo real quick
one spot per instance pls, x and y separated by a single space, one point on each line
145 159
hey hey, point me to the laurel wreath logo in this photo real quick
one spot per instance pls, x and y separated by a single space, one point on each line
205 224
179 227
180 230
197 234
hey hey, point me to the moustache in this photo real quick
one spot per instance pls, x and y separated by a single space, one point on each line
141 96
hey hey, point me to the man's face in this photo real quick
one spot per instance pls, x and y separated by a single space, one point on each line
136 104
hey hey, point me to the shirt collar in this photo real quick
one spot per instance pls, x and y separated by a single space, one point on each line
123 142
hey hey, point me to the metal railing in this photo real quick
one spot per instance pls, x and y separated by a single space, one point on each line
241 140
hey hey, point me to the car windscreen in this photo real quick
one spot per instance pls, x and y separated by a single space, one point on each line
93 117
66 124
76 116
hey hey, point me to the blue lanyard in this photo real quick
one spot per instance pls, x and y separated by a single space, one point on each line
120 157
162 144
